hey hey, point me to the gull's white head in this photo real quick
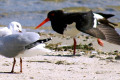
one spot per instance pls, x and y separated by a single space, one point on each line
15 27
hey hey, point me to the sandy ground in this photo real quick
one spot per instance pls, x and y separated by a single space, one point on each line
61 65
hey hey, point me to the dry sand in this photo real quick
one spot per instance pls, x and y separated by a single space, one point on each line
61 65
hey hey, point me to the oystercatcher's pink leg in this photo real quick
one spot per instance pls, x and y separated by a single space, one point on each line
20 64
14 61
74 46
100 42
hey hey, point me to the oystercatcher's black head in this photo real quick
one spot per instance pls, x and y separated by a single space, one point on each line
55 14
57 20
52 16
55 17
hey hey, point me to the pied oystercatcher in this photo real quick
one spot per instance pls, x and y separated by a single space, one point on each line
94 24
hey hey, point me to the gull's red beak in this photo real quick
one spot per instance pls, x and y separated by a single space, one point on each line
46 20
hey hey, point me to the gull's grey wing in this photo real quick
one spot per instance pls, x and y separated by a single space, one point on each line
11 45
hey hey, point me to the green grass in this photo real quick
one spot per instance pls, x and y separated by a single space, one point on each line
80 46
63 62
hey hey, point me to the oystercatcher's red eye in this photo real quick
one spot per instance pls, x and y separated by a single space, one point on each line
52 14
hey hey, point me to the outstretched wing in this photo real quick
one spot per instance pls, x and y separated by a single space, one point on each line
106 33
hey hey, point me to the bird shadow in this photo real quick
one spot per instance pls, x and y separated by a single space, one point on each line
10 72
47 61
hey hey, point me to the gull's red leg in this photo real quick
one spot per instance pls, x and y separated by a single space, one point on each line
14 61
20 64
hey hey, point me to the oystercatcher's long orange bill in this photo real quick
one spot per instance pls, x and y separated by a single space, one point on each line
46 20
